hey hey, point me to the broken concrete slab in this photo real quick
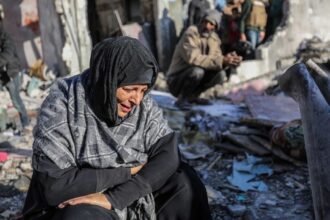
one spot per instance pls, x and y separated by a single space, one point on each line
194 151
275 109
237 210
245 171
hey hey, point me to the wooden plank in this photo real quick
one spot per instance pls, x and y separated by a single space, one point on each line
254 122
248 131
244 141
276 151
232 148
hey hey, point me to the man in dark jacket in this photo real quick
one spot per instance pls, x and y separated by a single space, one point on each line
9 77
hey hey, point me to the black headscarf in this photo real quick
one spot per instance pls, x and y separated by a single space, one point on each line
117 62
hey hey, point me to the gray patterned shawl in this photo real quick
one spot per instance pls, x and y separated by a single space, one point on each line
70 134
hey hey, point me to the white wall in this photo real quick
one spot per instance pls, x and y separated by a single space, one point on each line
306 19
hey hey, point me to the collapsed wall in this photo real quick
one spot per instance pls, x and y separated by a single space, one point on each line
305 19
53 31
60 35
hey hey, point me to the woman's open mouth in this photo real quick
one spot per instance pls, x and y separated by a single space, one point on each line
125 108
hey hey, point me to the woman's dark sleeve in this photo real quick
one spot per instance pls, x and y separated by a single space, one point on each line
163 161
60 185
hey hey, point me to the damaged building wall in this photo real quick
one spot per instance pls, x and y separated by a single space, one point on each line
78 45
58 35
169 22
305 19
21 22
52 37
134 18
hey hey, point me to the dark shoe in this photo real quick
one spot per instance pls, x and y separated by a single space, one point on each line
201 101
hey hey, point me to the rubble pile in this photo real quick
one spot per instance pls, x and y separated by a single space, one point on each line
316 49
248 154
15 172
240 150
16 146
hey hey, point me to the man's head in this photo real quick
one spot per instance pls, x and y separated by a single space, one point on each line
211 21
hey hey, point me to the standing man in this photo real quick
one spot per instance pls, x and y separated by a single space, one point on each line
253 21
198 61
196 10
9 77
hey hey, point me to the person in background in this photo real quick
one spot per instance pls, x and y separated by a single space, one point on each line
229 30
277 14
103 150
220 5
253 21
9 74
196 10
198 63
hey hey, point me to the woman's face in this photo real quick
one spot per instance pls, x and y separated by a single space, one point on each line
128 97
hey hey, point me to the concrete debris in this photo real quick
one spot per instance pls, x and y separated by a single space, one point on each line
214 140
215 197
205 145
245 172
314 48
275 109
33 87
22 184
194 151
237 210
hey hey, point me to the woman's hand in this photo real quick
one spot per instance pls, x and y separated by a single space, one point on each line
135 170
92 199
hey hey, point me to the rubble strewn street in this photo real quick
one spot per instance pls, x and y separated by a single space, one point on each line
227 143
218 140
243 135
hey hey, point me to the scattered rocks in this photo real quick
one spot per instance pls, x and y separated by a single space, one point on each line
7 165
26 166
288 195
215 197
22 184
236 210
